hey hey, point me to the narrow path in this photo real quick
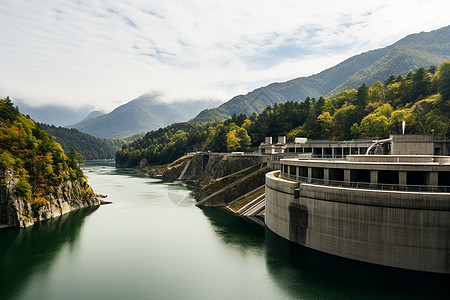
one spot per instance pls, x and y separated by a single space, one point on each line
184 170
254 207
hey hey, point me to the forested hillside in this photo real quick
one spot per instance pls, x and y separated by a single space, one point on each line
421 99
165 145
34 168
87 145
414 51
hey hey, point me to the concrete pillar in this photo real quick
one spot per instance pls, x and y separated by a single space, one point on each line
374 176
433 178
402 178
326 174
309 174
346 175
332 152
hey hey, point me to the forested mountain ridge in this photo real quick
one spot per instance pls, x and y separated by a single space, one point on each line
37 180
421 99
142 114
414 51
89 146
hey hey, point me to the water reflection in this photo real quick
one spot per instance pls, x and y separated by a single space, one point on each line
107 167
24 252
237 232
310 274
302 273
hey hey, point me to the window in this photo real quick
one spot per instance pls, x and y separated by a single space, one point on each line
317 173
336 174
388 177
360 175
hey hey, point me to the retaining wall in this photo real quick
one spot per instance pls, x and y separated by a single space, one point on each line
399 229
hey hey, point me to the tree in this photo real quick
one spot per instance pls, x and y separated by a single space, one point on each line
232 141
244 139
325 124
376 92
432 69
75 156
343 119
444 80
362 96
389 81
421 84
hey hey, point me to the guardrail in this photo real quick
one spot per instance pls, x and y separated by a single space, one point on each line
371 186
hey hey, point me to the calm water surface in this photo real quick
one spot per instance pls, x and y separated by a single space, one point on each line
153 243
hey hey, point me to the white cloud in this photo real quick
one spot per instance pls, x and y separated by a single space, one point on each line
107 52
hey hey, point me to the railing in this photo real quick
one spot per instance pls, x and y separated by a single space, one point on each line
418 159
329 157
371 186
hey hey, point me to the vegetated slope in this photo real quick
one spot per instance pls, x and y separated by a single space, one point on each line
87 145
37 180
143 114
421 99
165 144
414 51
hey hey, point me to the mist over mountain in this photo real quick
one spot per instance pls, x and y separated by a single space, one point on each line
417 50
142 114
93 114
53 114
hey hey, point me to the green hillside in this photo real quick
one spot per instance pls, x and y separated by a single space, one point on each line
421 99
87 145
418 50
32 164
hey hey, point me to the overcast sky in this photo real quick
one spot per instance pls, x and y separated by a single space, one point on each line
105 53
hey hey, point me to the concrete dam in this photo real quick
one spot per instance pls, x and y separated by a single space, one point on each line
391 210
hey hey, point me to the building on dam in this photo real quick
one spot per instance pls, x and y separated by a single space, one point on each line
342 198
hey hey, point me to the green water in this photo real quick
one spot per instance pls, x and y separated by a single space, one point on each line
153 243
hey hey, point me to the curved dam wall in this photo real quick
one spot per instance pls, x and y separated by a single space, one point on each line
398 229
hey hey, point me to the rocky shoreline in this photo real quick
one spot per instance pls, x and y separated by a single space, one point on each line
69 196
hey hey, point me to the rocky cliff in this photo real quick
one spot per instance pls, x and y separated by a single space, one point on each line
19 212
38 181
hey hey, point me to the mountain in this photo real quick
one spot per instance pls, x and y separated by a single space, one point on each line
142 114
53 114
93 114
417 50
420 99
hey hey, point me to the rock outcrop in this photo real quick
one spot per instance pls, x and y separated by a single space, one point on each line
69 196
38 181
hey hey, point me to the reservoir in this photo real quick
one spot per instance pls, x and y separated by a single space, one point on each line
153 243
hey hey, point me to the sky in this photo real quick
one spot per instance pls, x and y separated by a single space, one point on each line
103 54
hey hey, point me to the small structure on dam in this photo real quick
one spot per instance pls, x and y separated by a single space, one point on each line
391 209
